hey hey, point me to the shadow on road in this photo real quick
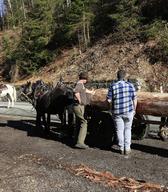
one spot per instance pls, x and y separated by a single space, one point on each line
3 107
57 133
150 149
61 135
97 138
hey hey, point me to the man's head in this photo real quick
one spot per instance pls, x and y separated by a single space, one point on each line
121 74
83 76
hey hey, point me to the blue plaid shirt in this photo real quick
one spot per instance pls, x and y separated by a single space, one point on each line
121 94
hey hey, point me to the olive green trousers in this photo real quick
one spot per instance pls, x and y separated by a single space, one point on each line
81 122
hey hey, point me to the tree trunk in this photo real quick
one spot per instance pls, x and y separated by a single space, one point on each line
11 9
98 99
24 11
84 31
14 73
32 3
68 2
149 103
88 32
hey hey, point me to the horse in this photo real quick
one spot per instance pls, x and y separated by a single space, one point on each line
30 91
53 102
8 91
25 92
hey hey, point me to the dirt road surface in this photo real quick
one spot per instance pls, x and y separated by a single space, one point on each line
35 163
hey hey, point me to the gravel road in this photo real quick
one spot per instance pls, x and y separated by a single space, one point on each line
31 163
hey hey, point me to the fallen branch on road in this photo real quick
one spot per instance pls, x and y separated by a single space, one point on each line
109 180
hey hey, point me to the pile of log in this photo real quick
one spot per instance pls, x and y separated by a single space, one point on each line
149 103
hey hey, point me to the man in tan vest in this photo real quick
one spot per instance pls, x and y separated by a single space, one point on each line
81 101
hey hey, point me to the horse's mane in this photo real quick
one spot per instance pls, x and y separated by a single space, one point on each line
59 91
3 86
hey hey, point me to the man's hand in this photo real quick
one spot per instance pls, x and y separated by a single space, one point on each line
90 91
134 112
109 100
110 103
93 91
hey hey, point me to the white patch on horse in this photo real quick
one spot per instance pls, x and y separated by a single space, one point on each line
9 92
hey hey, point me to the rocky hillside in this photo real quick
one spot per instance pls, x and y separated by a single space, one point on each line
104 59
110 35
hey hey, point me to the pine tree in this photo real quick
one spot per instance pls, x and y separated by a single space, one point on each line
74 22
31 53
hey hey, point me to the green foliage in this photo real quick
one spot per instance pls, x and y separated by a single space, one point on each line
164 39
158 31
9 43
70 21
154 29
31 53
126 17
154 9
48 25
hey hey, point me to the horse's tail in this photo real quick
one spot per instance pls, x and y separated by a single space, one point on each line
14 94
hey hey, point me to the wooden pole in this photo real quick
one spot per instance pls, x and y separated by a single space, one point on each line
149 103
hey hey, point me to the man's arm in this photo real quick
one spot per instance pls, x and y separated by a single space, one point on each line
109 100
109 94
90 91
134 97
135 104
109 97
77 95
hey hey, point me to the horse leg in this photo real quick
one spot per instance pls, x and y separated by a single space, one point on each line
62 119
70 120
46 125
9 101
12 101
48 122
38 120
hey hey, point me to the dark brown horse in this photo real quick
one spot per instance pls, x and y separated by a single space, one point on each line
31 91
53 102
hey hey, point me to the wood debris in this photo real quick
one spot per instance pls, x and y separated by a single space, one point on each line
109 180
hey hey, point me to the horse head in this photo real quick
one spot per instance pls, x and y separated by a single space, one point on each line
69 95
3 86
40 90
27 88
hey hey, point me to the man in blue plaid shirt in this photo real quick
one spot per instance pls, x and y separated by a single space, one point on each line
122 96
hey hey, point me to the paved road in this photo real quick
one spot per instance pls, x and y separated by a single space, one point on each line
24 109
20 109
37 163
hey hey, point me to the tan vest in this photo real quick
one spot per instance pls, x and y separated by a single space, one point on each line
80 88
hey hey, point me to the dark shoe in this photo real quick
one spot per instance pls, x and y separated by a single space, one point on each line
81 146
116 147
121 152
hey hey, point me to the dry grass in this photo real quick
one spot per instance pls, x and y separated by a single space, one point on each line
103 60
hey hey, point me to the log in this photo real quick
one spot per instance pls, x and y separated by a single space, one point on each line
149 103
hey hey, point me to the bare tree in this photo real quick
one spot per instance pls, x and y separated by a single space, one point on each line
11 10
23 8
68 2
